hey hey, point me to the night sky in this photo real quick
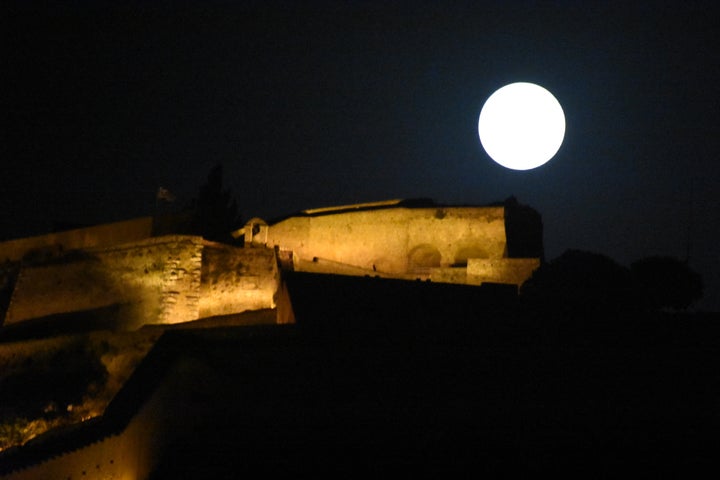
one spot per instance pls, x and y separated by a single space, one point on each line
310 104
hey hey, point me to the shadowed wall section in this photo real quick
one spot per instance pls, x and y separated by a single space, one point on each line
90 237
171 279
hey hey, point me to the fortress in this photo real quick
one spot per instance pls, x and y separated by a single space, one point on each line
309 268
283 352
128 274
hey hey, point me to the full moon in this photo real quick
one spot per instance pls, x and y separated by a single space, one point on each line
521 126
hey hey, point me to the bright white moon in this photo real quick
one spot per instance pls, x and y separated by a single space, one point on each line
521 126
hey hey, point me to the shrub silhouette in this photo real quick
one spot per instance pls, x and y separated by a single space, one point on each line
579 282
666 282
59 378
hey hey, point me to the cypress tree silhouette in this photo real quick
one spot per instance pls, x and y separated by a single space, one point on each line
215 210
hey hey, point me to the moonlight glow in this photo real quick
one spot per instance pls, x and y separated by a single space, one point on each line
521 126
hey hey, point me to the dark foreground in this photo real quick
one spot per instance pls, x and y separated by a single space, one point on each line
417 379
388 377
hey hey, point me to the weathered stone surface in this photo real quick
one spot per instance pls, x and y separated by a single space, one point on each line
171 279
395 240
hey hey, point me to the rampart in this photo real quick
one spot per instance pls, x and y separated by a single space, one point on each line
175 279
466 245
123 273
161 280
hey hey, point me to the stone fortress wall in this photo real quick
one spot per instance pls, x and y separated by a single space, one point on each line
466 245
160 280
122 271
180 278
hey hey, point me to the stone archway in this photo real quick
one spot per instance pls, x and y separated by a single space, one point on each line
422 258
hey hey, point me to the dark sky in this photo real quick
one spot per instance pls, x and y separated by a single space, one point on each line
342 102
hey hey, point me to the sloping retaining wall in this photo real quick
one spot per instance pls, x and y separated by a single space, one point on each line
171 279
171 395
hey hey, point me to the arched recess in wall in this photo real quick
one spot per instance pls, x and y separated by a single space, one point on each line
423 257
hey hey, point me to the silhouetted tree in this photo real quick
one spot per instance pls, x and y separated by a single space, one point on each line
666 282
579 283
215 210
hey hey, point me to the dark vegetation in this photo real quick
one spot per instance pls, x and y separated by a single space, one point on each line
46 385
386 376
666 282
47 389
60 378
214 212
413 377
581 283
593 366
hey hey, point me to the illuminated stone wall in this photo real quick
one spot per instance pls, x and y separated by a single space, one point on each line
391 240
169 279
132 453
179 278
505 270
173 411
437 243
237 279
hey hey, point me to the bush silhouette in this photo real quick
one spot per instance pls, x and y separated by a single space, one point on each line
579 282
666 282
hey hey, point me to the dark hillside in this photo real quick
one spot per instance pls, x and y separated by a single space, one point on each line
381 376
418 377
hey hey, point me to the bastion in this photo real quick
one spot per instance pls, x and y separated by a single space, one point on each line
411 240
132 273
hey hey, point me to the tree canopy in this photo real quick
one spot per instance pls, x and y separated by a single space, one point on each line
666 282
581 282
215 211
